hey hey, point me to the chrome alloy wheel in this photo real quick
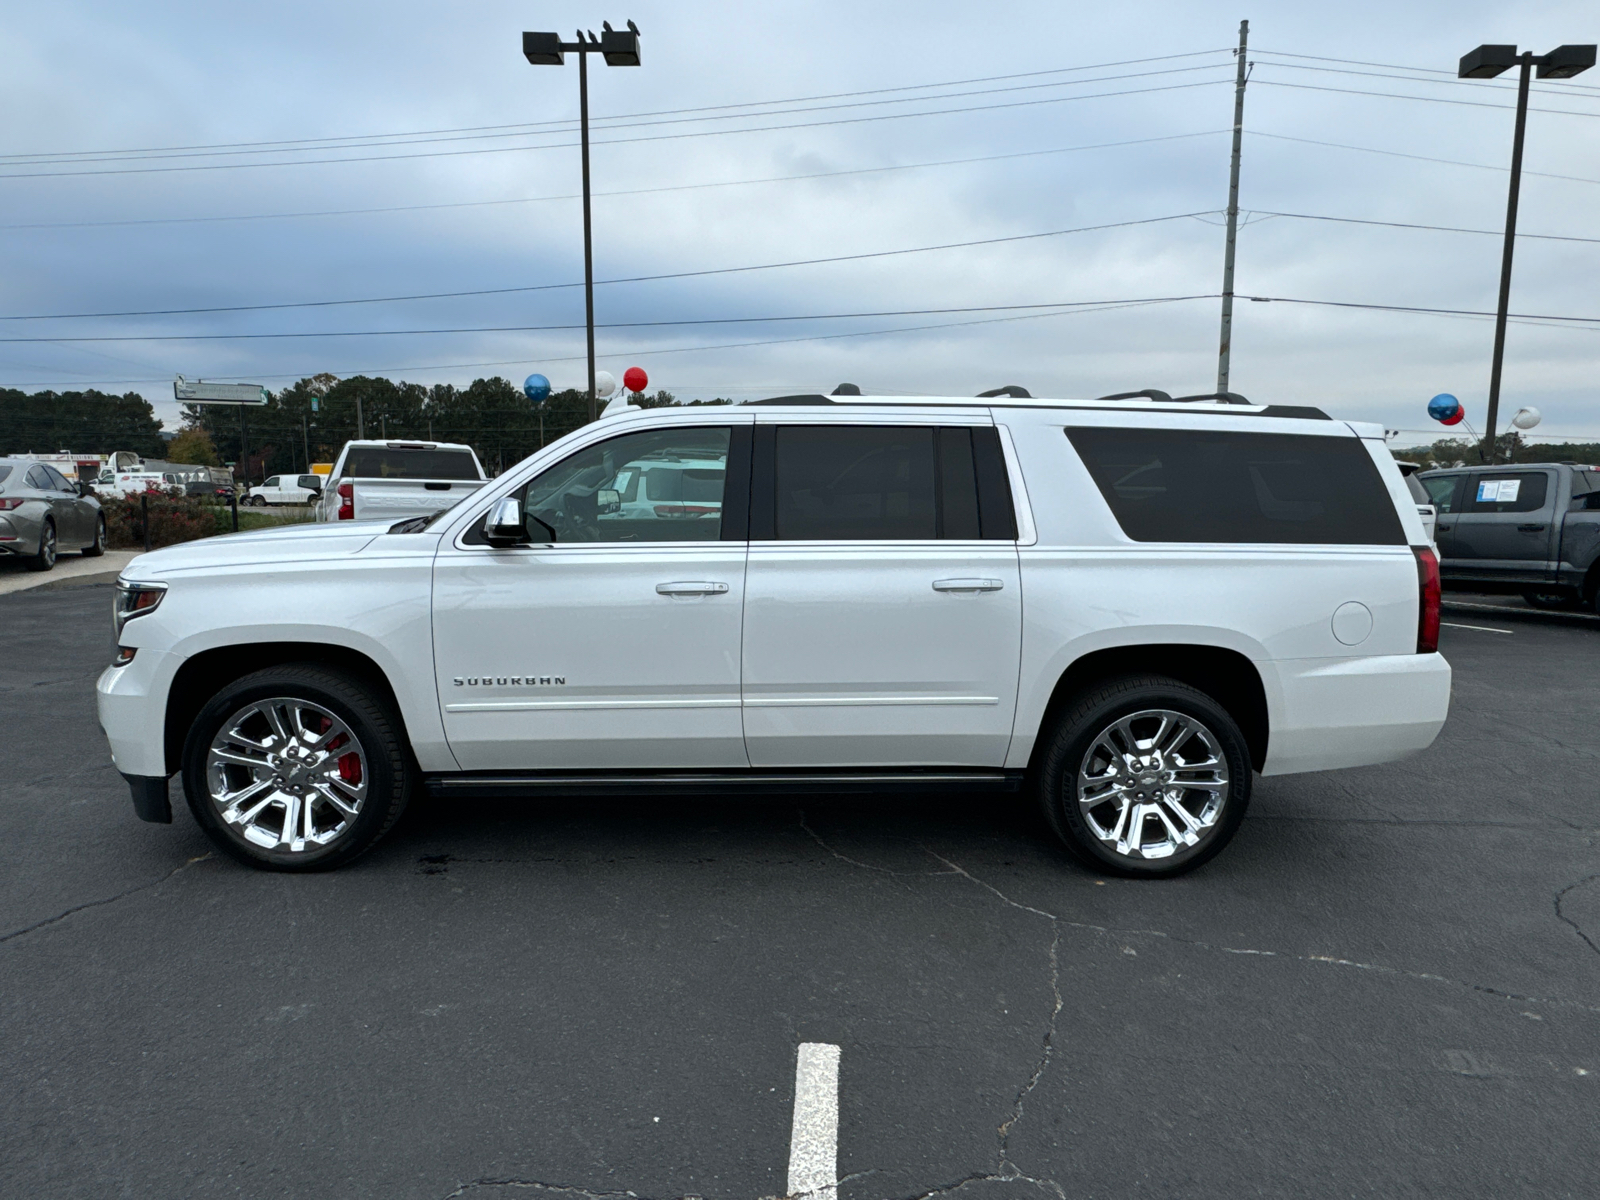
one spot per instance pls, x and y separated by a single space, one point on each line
287 775
1153 784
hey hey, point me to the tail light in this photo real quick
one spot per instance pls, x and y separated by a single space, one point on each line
13 502
347 501
1428 594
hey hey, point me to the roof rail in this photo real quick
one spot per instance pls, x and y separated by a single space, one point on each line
1011 390
1158 396
1225 397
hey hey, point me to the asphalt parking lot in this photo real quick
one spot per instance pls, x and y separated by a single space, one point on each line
1389 985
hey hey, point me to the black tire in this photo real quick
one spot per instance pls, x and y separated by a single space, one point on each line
376 736
1555 601
1074 742
45 560
97 547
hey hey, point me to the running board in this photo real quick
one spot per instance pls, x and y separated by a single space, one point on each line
497 784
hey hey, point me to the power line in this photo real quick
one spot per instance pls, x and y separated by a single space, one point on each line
1449 162
663 137
1356 62
544 287
1314 87
905 312
605 123
684 187
641 352
1562 321
295 142
1546 237
1452 81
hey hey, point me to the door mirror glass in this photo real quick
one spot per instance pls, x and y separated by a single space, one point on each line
608 500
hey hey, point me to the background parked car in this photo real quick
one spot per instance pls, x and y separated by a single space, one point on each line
1532 528
1425 508
42 513
286 489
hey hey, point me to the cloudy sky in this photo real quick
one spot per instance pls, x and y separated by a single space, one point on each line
169 156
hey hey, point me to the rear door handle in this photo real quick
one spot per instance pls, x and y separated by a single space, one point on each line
1529 528
968 585
691 588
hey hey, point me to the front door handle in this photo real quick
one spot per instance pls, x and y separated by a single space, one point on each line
1529 528
1445 528
691 588
968 585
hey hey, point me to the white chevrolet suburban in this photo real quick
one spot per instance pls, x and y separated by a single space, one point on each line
1126 607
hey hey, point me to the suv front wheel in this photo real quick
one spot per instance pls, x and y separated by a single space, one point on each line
296 768
1145 776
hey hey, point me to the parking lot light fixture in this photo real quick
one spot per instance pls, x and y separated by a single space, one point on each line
1486 62
620 48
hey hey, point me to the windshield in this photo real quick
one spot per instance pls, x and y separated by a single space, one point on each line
388 462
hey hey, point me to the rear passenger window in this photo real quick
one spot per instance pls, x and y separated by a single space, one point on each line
1172 485
880 483
1524 491
855 483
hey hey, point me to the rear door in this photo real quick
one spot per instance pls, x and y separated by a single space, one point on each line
1507 526
883 609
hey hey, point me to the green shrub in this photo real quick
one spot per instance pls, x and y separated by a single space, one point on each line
174 518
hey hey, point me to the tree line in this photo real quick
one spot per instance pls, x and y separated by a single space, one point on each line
308 422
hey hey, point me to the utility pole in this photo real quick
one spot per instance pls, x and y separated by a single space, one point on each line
361 427
1226 347
588 245
1526 61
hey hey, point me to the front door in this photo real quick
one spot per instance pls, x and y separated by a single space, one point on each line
883 610
1507 526
612 639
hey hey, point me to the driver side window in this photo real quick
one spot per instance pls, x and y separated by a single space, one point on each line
657 485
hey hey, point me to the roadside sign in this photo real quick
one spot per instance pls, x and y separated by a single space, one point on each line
200 392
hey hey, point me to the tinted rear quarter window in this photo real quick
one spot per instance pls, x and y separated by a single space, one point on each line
376 462
1192 485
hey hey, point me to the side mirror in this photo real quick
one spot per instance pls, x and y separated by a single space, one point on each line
609 500
85 488
504 525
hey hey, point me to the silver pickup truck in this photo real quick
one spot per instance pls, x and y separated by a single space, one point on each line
391 481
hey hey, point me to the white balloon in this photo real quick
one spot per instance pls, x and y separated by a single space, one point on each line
1526 418
604 384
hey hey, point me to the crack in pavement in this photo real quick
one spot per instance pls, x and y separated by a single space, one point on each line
78 908
1578 929
512 1182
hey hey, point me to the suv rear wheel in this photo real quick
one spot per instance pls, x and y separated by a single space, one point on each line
296 768
1145 776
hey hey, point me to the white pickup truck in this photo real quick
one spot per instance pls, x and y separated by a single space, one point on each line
394 481
1128 608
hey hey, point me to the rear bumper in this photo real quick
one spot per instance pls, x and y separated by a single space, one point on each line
1355 712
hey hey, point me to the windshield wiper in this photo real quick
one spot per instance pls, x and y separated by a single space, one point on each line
411 525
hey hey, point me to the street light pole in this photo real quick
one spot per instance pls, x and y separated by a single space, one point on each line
620 49
588 242
1485 63
1224 353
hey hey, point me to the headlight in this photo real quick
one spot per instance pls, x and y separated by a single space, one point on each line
134 600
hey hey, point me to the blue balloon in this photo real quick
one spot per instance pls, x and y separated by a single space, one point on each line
536 388
1443 406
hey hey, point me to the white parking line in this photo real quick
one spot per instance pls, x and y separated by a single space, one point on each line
814 1141
1483 628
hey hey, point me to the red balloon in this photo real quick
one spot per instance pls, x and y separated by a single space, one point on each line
635 380
1460 415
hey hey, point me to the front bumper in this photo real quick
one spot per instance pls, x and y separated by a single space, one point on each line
132 704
